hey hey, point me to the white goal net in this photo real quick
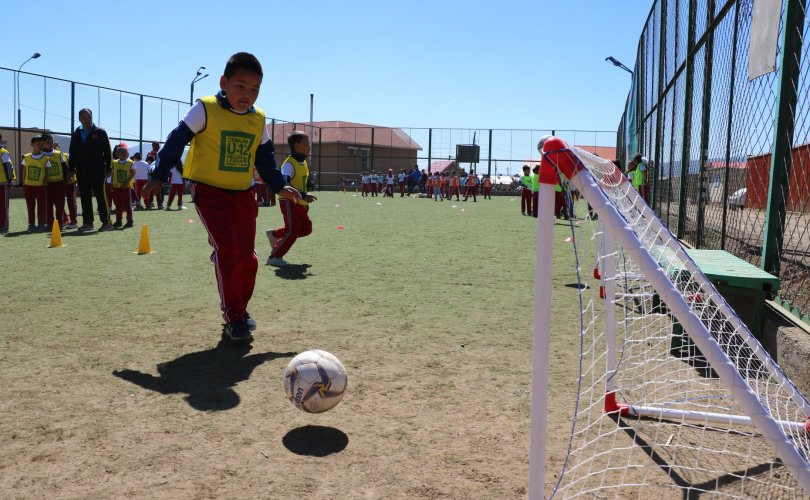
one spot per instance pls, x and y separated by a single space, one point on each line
676 396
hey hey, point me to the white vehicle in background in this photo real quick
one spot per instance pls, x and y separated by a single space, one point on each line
737 199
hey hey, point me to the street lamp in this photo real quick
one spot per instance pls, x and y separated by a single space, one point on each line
618 64
195 80
17 105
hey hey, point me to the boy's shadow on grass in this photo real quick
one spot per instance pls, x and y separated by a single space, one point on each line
294 272
207 377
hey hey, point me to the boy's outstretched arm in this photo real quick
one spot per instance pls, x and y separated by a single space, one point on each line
168 156
271 175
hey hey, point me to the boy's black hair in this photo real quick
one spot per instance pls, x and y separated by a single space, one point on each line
525 167
245 61
295 137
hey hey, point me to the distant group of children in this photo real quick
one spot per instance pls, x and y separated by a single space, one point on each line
374 183
446 184
439 185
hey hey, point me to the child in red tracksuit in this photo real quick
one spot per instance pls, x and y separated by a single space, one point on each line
34 180
296 218
228 137
123 173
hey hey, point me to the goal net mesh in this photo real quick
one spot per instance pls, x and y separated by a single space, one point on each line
681 430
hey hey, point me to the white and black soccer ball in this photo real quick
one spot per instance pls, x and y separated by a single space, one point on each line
315 381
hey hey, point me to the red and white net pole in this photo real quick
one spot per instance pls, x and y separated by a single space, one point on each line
542 330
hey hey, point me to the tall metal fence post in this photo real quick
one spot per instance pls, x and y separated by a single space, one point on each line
654 171
371 153
72 106
320 163
708 55
686 150
723 228
140 131
489 155
430 148
784 124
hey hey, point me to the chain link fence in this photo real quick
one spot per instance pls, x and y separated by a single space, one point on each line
31 103
717 140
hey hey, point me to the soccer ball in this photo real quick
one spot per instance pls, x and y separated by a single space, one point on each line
315 381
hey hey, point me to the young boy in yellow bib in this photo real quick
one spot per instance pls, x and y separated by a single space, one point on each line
34 175
228 137
123 173
55 185
296 220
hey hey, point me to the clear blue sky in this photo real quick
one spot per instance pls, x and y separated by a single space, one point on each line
474 64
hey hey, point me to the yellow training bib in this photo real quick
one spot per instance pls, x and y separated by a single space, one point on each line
35 170
223 154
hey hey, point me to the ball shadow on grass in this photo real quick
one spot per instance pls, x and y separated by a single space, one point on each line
315 440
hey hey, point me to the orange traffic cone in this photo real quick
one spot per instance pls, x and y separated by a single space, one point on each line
56 236
143 245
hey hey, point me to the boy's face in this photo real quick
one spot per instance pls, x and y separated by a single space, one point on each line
36 146
122 154
47 145
302 147
241 89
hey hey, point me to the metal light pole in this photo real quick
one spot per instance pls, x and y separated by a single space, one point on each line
195 80
618 64
17 105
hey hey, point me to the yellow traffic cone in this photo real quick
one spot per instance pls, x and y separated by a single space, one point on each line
56 236
143 245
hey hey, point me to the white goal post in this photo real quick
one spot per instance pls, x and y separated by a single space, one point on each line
674 392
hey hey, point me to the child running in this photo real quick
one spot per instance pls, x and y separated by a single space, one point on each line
228 137
296 219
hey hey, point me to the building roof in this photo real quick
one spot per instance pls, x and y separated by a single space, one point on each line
442 165
606 152
346 133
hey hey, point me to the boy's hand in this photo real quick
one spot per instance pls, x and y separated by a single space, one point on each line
152 187
309 198
289 193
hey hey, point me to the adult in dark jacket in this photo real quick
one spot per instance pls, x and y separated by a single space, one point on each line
91 158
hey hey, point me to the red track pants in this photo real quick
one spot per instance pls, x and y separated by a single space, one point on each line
35 199
526 201
230 219
4 196
55 195
296 225
123 203
177 189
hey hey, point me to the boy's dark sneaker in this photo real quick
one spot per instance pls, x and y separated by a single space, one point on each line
117 223
251 323
42 228
237 331
128 225
31 228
